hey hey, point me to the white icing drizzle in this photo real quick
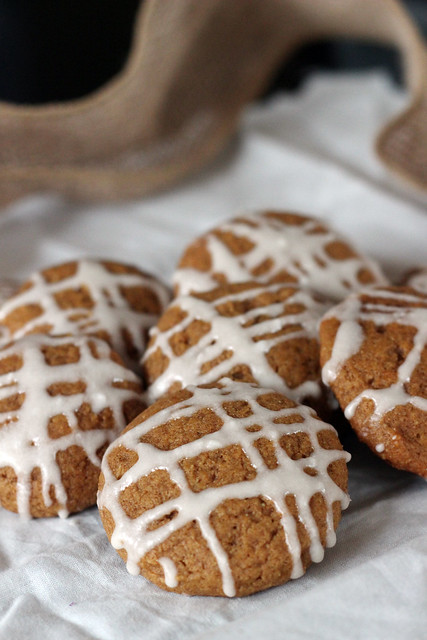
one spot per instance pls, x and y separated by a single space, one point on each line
24 439
419 280
110 312
298 249
170 572
359 308
274 484
348 339
230 334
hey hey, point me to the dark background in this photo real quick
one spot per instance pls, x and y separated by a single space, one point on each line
54 50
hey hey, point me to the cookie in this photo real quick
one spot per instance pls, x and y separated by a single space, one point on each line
223 491
374 357
62 401
112 301
267 334
417 279
271 246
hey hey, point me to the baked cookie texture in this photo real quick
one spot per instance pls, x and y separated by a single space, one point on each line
250 332
62 401
271 246
374 357
417 279
110 300
224 490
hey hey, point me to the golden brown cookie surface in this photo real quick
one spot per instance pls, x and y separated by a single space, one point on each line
271 246
62 400
247 331
374 357
223 491
110 300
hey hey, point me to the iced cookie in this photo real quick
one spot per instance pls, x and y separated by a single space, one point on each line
275 247
250 332
417 279
62 401
112 301
374 356
223 491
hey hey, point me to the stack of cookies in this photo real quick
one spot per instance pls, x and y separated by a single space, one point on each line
231 480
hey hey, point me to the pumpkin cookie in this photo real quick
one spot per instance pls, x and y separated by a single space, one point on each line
62 401
223 491
112 301
271 246
247 331
374 357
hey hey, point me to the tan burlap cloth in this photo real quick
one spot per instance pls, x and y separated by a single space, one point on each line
193 66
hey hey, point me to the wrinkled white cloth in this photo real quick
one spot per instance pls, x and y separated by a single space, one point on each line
310 152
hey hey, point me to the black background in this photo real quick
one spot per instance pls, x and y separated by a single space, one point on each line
56 50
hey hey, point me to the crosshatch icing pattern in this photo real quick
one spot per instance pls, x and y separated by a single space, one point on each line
287 456
276 247
258 333
114 301
56 394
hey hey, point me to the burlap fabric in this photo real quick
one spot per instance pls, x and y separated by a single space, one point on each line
192 68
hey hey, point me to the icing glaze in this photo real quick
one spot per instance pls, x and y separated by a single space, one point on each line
24 439
418 280
170 572
109 312
288 477
243 341
299 249
395 306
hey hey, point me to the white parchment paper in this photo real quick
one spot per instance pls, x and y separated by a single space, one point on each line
309 152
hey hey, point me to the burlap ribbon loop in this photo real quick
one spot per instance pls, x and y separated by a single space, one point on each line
192 68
